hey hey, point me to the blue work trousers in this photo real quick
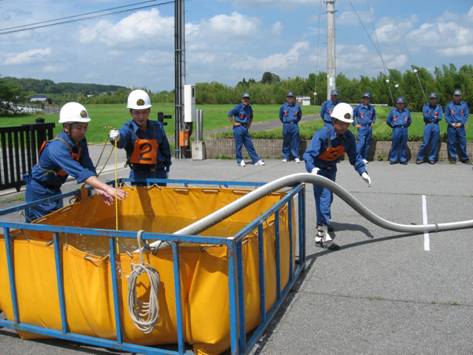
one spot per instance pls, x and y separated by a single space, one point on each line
37 191
242 138
363 145
291 140
398 151
456 136
324 198
432 137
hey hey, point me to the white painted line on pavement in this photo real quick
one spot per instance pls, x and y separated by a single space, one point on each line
425 221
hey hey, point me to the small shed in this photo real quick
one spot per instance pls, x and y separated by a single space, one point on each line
303 100
41 99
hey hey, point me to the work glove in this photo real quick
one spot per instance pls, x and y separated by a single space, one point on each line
114 135
315 171
367 178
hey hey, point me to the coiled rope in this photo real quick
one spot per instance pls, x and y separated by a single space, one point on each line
144 314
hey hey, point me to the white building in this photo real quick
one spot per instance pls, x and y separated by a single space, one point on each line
303 100
41 99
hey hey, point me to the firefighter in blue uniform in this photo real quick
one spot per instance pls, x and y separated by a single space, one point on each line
433 113
364 119
145 142
290 114
399 119
241 117
456 116
328 146
327 107
65 155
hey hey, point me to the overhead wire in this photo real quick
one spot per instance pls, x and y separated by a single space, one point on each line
378 51
78 15
29 27
376 47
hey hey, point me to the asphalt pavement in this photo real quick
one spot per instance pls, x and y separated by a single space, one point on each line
383 292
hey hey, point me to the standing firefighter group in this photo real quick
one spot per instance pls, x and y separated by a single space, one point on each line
334 140
149 155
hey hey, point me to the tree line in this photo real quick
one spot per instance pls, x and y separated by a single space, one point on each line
443 80
270 89
19 90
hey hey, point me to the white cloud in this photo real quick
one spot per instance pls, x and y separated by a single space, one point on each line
233 24
213 40
392 30
156 57
221 30
448 38
138 28
277 28
357 59
277 61
28 56
149 29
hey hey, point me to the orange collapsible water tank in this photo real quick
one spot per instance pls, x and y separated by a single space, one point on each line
87 275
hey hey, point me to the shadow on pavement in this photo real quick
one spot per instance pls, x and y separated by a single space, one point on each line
310 263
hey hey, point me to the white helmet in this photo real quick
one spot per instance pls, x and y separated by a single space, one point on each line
138 100
73 112
343 112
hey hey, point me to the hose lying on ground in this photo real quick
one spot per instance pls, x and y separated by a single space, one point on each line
291 180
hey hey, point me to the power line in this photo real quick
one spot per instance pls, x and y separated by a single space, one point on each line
376 47
34 27
378 51
375 34
74 16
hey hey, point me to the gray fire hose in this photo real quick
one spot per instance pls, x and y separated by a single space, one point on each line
291 180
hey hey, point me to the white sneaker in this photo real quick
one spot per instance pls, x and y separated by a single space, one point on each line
324 240
284 160
319 236
365 161
242 164
259 163
297 160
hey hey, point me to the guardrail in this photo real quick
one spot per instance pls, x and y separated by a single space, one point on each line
19 151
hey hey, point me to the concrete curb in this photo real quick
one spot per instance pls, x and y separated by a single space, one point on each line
224 148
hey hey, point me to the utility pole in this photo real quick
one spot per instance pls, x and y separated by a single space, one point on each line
331 66
179 70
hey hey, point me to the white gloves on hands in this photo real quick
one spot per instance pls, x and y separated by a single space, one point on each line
367 178
114 135
315 171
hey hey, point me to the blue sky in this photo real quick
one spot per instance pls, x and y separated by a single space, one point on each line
231 39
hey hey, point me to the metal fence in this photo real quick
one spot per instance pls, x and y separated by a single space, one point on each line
19 151
241 340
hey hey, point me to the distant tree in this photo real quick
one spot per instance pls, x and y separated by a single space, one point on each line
10 95
270 78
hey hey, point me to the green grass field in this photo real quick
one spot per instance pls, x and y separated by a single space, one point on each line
106 116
